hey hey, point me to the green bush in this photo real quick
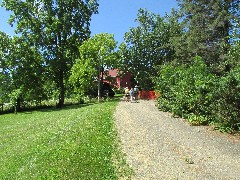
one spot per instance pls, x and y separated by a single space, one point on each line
194 93
186 89
226 105
118 90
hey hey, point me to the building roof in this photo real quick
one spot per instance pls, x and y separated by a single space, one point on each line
113 72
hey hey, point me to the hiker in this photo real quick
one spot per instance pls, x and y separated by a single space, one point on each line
127 95
131 92
136 92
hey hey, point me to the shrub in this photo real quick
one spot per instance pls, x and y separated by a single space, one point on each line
118 90
226 105
186 89
193 92
164 85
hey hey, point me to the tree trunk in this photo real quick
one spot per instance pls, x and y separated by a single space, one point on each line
17 106
62 90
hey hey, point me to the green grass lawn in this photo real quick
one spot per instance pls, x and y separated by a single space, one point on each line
76 142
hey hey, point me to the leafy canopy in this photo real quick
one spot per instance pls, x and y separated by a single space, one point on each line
56 28
147 46
97 52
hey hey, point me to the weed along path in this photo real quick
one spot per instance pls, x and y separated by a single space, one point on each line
158 146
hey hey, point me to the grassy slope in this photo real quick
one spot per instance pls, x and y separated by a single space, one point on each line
77 142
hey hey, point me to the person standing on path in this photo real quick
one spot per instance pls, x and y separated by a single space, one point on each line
136 92
127 95
131 92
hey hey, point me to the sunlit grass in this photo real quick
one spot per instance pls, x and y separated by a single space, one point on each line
77 142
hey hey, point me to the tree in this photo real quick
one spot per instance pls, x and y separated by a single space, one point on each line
146 47
28 70
209 25
96 54
177 38
5 78
22 71
56 28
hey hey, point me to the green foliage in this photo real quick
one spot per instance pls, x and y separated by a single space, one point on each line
96 54
15 95
83 77
207 90
55 29
76 142
147 46
208 27
21 66
226 107
186 90
194 93
5 75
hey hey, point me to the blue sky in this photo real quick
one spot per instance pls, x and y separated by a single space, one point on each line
115 16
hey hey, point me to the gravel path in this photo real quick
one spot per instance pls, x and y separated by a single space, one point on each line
158 146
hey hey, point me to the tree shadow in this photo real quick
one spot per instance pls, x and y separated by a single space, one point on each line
65 107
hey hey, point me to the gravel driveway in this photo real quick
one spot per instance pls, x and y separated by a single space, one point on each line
158 146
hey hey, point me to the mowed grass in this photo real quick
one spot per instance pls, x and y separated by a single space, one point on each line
76 142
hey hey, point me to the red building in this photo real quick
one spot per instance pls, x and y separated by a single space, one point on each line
118 79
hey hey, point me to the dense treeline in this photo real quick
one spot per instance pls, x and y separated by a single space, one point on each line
204 84
191 57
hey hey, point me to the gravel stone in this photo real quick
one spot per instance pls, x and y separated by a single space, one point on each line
158 146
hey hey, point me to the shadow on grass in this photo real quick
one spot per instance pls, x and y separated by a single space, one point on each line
65 107
77 106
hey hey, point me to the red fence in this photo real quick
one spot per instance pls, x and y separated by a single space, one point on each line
148 94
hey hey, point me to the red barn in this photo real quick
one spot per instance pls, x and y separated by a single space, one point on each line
118 79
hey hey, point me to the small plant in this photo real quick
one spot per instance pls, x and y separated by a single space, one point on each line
189 161
197 120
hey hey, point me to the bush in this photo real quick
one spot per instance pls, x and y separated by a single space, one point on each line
186 90
226 105
118 90
194 93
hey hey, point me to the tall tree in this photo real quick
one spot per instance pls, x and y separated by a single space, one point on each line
96 54
208 27
226 15
146 47
5 79
22 71
56 28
